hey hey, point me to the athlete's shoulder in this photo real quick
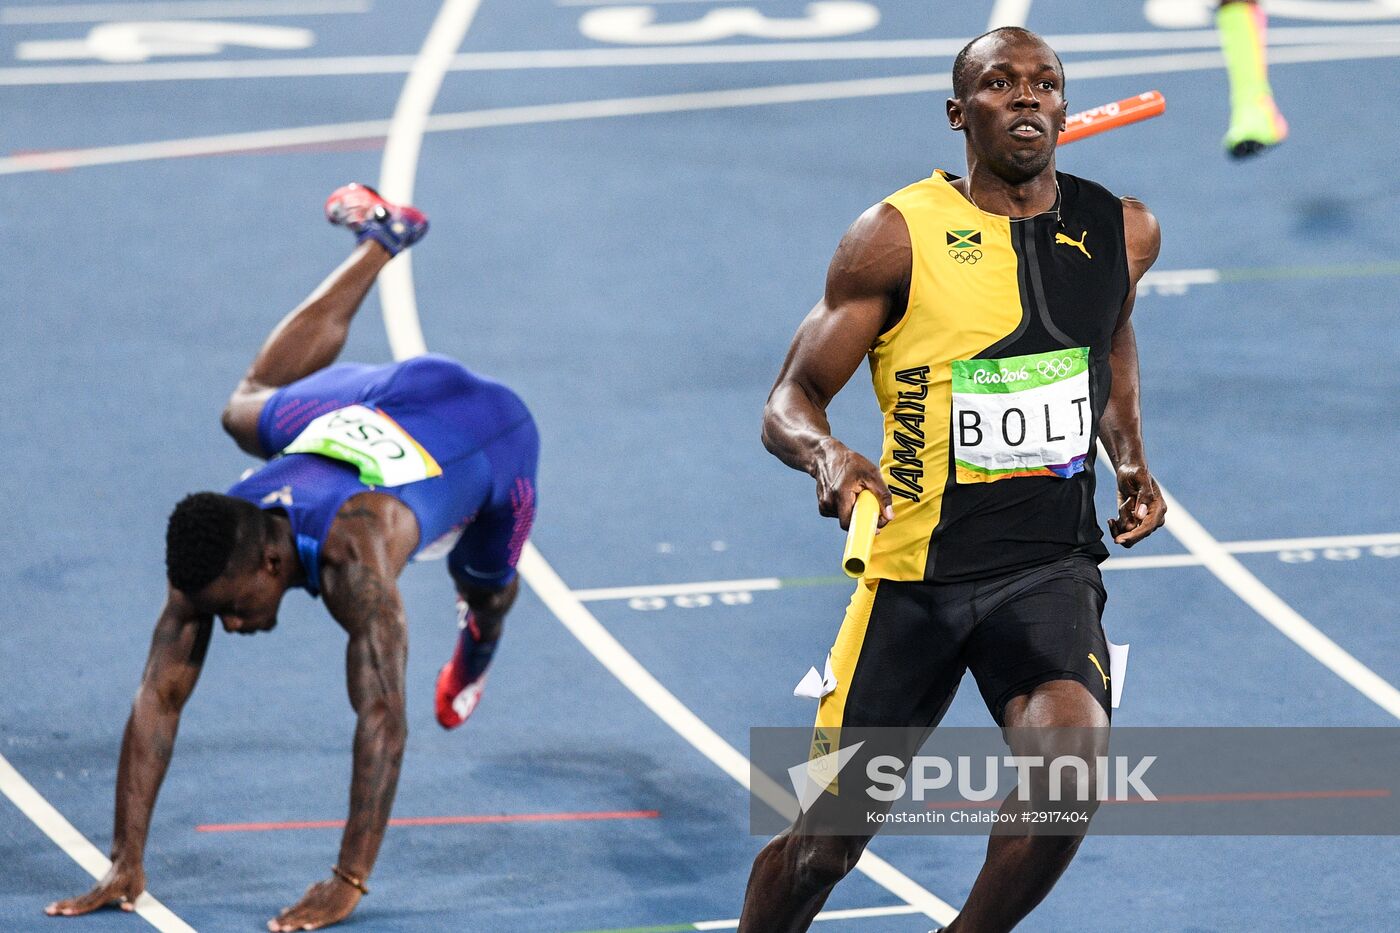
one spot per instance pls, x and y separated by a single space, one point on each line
1136 212
1142 234
875 255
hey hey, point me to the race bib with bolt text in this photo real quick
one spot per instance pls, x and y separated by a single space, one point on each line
1021 416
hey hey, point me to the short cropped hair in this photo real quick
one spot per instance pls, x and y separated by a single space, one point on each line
207 533
962 82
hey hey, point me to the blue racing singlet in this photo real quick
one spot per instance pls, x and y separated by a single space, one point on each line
471 439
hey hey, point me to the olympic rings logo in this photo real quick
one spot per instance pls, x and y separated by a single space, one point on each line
969 256
1055 369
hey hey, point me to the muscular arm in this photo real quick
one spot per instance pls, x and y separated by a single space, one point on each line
172 669
1141 509
307 340
370 541
365 600
866 284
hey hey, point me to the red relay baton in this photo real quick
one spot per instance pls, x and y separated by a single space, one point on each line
1111 116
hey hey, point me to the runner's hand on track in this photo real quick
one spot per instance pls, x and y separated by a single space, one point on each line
121 886
324 903
841 474
1141 508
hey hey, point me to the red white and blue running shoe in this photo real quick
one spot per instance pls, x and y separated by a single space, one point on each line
360 209
462 679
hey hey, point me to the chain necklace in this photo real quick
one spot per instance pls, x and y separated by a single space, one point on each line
1054 208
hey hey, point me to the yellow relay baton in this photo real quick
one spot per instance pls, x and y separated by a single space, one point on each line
860 538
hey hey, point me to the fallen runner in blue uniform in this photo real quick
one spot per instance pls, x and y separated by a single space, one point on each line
371 466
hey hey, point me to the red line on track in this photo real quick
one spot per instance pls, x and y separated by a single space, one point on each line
1265 796
467 820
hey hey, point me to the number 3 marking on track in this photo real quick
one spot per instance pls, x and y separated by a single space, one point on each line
636 25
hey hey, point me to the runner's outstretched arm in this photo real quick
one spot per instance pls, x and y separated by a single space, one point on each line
364 599
307 340
1141 509
868 275
177 655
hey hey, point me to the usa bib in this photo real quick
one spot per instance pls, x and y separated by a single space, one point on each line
369 440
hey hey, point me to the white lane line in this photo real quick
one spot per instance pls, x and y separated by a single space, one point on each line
1153 562
857 913
719 54
1176 281
223 144
473 119
314 67
629 106
1194 537
1341 543
399 168
77 847
622 2
1009 13
680 589
1311 544
621 664
201 9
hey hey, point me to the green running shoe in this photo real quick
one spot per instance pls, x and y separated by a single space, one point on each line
1255 128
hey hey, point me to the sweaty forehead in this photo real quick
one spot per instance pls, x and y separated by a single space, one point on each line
1011 52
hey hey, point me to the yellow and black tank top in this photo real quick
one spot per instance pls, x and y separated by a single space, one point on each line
992 382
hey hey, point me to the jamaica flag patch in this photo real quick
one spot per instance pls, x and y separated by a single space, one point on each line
964 239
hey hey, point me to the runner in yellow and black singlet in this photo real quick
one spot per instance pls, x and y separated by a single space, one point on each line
995 312
997 370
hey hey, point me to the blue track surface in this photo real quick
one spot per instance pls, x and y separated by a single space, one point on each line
637 280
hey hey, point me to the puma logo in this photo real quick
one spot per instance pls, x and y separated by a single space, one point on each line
1100 667
1077 244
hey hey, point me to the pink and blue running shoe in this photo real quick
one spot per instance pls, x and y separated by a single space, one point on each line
361 210
463 678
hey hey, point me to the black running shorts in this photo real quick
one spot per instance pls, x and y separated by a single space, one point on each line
904 645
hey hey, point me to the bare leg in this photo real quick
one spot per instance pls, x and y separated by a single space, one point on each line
489 608
1020 870
306 340
1255 121
792 877
461 680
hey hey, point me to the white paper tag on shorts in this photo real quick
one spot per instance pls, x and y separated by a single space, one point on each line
814 686
1117 671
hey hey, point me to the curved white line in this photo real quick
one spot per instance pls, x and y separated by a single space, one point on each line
1229 571
396 178
399 168
1216 558
565 605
